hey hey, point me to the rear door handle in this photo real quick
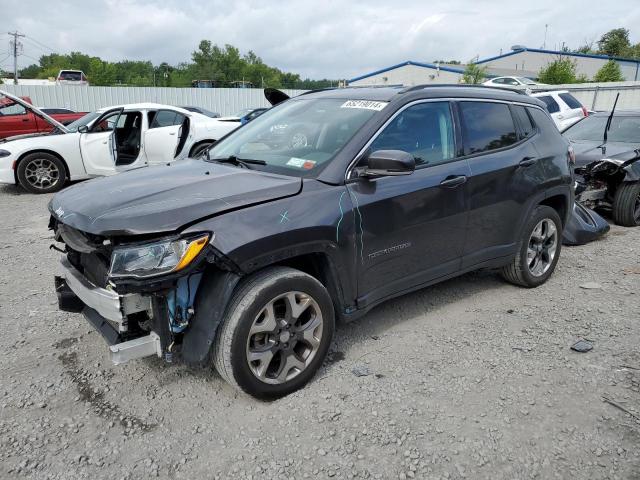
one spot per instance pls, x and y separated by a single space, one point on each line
527 161
453 181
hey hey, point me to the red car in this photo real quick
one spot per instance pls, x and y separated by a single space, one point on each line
16 120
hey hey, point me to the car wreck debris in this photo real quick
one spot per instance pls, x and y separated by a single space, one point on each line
582 346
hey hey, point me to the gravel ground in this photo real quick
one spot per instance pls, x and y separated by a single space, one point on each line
472 378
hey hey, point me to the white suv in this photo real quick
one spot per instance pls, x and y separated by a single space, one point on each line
564 108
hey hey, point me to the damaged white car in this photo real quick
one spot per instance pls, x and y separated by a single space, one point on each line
105 142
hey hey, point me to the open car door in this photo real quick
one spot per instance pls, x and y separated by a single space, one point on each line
98 144
167 133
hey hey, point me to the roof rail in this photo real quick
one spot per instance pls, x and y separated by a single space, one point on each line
464 85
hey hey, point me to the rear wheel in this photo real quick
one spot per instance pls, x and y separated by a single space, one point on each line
538 250
41 172
276 333
626 205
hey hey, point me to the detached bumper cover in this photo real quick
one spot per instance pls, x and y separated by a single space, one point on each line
584 226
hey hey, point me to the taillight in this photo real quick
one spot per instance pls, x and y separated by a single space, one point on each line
585 112
571 156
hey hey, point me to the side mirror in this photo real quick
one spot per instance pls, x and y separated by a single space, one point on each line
83 129
382 163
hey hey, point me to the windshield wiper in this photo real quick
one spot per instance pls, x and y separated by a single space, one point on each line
243 162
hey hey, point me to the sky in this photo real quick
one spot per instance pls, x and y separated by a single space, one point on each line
317 39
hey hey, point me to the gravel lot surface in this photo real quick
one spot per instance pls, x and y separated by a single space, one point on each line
473 378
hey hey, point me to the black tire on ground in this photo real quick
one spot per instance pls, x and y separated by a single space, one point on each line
199 149
519 270
234 342
41 172
626 205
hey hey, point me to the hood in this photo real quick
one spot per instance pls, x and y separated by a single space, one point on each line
163 199
589 151
22 137
35 110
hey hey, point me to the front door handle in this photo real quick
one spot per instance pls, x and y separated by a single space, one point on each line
453 181
527 161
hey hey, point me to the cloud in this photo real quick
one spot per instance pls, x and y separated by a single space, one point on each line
334 39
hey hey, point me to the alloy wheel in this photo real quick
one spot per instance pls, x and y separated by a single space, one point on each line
284 337
542 248
41 173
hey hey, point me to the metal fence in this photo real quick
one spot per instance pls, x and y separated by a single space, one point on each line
226 101
600 96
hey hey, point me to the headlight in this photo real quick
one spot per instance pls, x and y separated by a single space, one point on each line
156 258
4 153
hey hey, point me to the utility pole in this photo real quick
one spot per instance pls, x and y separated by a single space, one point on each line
544 44
15 45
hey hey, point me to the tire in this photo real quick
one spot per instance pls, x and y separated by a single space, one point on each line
198 150
41 172
626 205
538 249
295 361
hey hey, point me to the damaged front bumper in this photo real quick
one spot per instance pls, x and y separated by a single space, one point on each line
108 313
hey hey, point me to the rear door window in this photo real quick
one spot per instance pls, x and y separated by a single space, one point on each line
552 105
487 126
166 118
570 100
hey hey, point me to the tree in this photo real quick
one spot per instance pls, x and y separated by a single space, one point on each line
562 70
610 72
614 43
474 74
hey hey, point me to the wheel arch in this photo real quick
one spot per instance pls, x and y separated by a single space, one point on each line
200 143
560 203
218 286
41 150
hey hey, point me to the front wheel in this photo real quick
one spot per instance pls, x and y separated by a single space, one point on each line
41 172
538 250
626 205
275 334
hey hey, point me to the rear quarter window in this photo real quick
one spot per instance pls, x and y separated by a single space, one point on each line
570 100
527 128
552 105
487 126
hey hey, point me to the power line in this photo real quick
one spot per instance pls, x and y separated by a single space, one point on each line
40 44
29 56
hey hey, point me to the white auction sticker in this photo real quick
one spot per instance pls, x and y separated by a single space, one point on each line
366 104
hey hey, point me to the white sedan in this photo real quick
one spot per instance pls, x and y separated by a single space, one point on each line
105 142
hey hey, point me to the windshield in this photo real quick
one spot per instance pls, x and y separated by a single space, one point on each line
243 112
625 129
526 81
86 120
298 136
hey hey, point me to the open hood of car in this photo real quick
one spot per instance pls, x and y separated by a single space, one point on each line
275 96
163 199
589 151
4 97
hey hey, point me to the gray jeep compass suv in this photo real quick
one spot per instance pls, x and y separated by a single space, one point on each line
318 210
